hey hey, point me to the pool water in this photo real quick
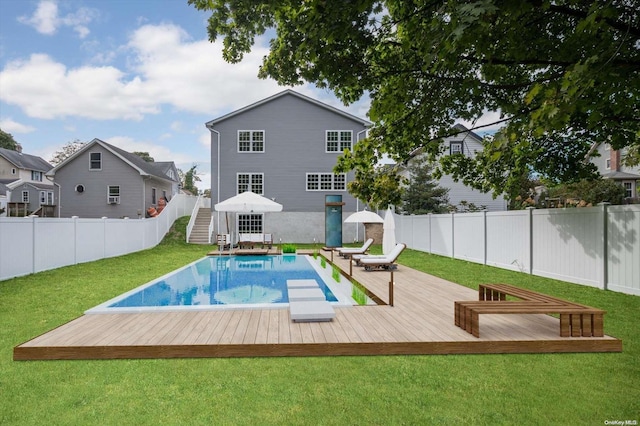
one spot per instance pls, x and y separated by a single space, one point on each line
223 281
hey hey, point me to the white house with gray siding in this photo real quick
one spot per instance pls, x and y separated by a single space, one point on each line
283 147
610 166
469 144
102 180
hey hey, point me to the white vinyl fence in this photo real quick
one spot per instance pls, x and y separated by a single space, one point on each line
32 244
595 246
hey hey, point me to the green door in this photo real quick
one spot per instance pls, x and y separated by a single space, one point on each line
333 220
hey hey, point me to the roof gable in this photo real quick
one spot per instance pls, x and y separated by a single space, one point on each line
25 161
288 92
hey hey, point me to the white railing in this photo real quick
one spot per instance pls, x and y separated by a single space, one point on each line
596 246
29 245
194 215
211 228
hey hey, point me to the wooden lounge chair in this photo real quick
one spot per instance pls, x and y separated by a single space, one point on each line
385 262
350 251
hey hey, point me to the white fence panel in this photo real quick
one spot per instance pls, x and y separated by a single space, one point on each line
421 233
90 239
568 245
55 241
16 246
623 248
509 240
122 237
151 237
468 237
441 234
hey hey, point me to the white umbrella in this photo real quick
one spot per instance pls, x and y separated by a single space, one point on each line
364 216
389 232
248 202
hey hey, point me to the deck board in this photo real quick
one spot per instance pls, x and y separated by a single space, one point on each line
420 322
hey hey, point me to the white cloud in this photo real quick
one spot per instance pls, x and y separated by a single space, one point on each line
485 119
169 69
46 20
11 126
205 139
158 152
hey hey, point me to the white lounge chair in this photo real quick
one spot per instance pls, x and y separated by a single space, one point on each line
350 251
385 262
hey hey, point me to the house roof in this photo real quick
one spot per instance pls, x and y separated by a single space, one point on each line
155 169
460 128
288 92
621 176
25 161
3 189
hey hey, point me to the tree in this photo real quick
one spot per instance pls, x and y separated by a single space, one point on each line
189 179
7 141
423 195
67 151
562 74
144 155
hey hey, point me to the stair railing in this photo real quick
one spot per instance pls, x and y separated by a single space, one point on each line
194 214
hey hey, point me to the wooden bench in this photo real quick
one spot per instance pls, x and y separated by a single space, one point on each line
575 319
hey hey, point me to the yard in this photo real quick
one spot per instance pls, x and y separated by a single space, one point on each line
471 389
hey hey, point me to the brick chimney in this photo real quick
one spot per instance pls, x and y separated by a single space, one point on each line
615 160
19 148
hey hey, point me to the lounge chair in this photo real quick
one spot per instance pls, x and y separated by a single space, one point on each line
350 251
385 262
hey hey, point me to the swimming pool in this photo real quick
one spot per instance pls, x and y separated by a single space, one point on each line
227 282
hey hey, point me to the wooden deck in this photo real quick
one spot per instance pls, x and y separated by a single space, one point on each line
420 322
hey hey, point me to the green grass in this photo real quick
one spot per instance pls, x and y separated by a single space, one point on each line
462 389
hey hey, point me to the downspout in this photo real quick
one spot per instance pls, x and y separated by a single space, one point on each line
217 175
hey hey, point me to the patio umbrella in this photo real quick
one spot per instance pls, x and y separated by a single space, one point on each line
248 202
389 232
364 216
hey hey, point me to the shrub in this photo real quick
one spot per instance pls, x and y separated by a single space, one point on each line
288 248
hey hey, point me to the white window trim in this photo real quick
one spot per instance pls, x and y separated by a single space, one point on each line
326 141
43 197
607 164
154 195
456 143
36 176
250 186
333 183
24 192
90 161
251 151
109 196
261 215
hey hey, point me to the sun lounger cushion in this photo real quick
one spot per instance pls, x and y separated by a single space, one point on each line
311 311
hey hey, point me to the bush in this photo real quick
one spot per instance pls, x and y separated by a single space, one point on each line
589 192
288 248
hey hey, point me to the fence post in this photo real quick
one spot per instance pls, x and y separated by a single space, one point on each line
75 239
531 209
605 245
484 225
453 236
430 233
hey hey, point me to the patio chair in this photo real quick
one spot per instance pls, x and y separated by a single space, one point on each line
385 262
268 240
350 251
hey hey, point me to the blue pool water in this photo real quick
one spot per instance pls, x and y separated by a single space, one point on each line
223 280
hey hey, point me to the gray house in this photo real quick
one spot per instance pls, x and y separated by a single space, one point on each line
284 147
468 143
25 190
101 180
609 163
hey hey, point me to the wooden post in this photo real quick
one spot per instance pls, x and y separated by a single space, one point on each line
351 265
391 289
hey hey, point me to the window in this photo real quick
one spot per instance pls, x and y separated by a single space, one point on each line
253 182
25 196
455 148
326 182
79 189
153 196
250 223
628 189
43 197
113 194
50 198
13 171
608 163
250 140
95 161
338 140
36 176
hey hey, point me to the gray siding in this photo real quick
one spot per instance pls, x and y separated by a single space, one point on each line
92 203
294 145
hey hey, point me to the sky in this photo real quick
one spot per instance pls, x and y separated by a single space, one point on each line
139 74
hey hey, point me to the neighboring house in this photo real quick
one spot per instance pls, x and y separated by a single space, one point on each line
101 180
610 166
285 148
3 199
23 177
467 143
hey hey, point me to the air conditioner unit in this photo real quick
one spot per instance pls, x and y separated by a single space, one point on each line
113 200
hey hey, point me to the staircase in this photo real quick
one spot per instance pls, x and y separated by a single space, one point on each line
200 232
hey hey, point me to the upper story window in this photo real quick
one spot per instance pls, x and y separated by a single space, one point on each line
36 176
253 182
250 140
326 182
338 140
95 161
455 148
14 171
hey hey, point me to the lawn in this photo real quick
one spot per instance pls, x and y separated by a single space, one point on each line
463 389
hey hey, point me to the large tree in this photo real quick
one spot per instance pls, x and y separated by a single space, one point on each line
7 141
66 151
563 74
423 195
